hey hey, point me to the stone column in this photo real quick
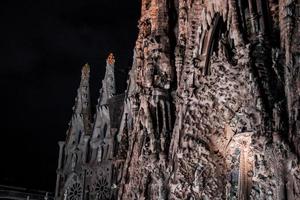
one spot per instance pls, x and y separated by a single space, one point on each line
253 17
86 142
61 146
260 12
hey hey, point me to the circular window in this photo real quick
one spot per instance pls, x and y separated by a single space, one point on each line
75 192
102 189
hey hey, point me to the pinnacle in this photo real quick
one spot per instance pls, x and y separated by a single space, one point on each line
85 70
111 59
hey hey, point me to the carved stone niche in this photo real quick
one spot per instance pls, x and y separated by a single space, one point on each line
239 161
214 42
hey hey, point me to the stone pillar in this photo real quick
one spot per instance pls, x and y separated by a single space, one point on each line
86 142
61 146
253 17
260 12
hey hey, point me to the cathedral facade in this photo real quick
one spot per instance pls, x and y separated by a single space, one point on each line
211 111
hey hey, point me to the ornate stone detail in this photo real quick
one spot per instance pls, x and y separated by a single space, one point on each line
86 71
102 189
111 59
212 101
75 192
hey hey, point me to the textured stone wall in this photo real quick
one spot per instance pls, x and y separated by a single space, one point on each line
211 110
233 71
149 107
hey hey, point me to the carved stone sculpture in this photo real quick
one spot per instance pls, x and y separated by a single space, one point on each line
211 110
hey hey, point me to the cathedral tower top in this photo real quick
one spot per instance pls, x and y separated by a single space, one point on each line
108 89
111 59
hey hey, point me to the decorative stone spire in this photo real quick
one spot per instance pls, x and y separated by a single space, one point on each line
81 111
83 92
85 96
101 137
108 83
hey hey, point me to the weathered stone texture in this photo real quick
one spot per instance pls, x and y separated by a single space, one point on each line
211 110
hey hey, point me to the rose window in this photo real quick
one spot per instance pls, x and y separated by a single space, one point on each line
75 192
102 189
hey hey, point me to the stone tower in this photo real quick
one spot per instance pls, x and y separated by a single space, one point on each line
72 154
85 167
211 110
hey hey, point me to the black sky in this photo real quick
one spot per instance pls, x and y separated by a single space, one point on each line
43 44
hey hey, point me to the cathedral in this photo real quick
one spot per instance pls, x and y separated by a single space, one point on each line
211 110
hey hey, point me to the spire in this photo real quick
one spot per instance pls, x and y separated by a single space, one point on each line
82 105
102 125
108 89
81 111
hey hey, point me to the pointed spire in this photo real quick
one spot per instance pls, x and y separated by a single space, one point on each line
83 93
111 59
85 97
81 111
108 89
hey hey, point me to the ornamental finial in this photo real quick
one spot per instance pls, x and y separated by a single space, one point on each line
111 59
85 70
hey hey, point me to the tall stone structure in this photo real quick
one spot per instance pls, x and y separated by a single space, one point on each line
86 165
211 110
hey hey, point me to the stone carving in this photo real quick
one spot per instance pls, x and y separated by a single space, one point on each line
89 147
75 192
211 110
73 189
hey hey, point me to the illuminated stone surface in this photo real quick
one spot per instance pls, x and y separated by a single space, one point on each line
212 109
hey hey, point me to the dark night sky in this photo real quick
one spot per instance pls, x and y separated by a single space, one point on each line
43 44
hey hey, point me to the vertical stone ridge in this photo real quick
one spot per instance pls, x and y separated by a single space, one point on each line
149 103
289 32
